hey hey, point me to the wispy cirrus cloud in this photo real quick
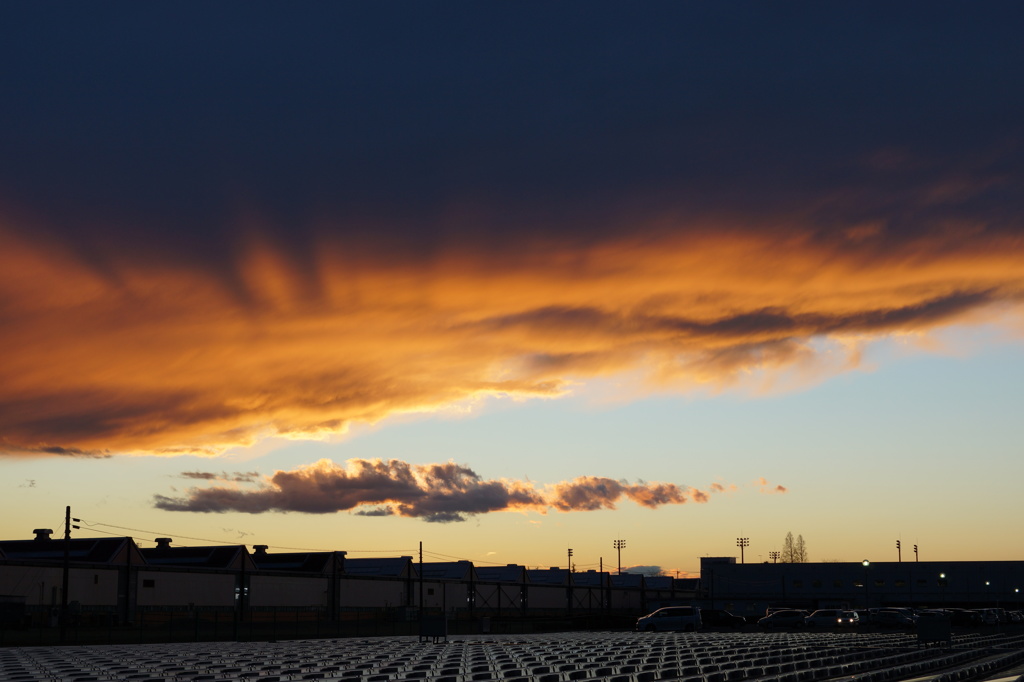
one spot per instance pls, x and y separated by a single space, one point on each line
437 493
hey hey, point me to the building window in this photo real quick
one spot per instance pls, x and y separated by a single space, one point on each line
858 583
879 583
149 582
901 583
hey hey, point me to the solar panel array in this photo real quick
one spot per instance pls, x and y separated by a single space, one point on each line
597 657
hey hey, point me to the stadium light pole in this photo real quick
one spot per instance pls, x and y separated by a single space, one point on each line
618 545
742 543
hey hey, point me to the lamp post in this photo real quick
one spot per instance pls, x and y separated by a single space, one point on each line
866 564
742 543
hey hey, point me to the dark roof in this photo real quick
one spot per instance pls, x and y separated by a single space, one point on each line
501 574
687 583
225 557
392 567
303 562
627 580
658 582
548 576
589 579
81 550
446 570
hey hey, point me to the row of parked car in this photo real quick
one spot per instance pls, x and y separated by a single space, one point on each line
904 618
692 618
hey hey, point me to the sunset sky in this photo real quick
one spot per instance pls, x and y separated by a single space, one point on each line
513 278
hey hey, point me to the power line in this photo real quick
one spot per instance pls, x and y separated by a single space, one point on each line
157 533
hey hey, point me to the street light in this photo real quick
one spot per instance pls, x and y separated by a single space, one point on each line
865 564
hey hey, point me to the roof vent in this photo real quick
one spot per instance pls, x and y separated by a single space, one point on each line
261 550
163 543
43 533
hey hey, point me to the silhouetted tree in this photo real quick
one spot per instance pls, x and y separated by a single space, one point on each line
788 549
793 551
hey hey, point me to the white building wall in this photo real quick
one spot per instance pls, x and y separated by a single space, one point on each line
43 585
273 590
168 588
371 592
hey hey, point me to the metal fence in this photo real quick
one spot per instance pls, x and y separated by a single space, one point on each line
183 624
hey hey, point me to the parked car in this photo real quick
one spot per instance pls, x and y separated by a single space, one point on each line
989 616
721 618
891 618
823 618
848 619
963 616
685 618
786 618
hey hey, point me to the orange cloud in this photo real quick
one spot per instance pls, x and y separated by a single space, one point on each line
768 489
434 492
107 354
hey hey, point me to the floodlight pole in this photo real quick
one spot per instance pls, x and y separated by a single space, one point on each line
618 545
742 543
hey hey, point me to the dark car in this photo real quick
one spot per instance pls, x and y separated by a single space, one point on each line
892 619
721 618
964 617
685 618
786 618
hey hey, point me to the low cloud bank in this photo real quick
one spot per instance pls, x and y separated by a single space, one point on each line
439 493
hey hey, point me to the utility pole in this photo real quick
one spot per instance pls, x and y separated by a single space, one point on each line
742 543
569 562
915 553
66 573
618 545
899 553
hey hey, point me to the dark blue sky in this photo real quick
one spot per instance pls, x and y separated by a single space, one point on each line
153 125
